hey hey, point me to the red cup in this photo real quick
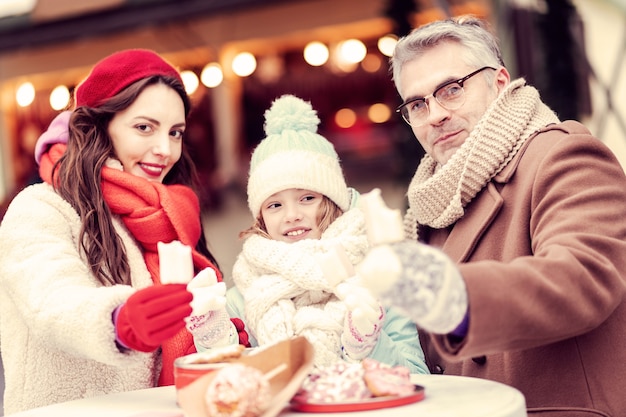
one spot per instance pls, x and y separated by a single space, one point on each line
188 368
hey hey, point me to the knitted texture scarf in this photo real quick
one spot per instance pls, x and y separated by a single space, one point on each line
438 195
152 212
286 293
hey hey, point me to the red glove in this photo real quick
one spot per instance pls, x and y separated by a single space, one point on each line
152 315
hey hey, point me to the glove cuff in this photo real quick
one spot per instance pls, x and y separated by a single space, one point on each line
213 329
124 333
118 342
356 346
353 350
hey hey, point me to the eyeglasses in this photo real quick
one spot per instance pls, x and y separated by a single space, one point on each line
450 96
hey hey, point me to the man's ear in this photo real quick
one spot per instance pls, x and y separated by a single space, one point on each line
502 79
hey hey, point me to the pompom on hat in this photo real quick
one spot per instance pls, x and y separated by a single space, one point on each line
119 70
294 155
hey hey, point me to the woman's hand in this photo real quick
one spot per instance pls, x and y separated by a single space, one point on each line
151 316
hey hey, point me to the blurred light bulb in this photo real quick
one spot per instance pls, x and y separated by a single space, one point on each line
25 94
244 64
59 97
190 80
387 44
316 53
212 75
345 118
372 63
352 51
379 113
270 68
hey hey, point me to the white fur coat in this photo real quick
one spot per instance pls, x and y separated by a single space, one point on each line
56 334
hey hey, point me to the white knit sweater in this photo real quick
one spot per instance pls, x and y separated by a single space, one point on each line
56 333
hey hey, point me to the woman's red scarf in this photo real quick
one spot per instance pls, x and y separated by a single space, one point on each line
152 212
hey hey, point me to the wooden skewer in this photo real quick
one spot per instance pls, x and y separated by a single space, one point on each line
273 372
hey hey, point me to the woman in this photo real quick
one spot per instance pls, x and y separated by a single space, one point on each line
83 311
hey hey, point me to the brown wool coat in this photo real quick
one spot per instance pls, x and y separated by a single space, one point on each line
543 253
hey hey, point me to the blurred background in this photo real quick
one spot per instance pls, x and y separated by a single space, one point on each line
239 55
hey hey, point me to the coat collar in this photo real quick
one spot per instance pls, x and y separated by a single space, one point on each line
481 212
478 216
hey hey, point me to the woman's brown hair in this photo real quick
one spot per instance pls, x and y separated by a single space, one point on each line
78 180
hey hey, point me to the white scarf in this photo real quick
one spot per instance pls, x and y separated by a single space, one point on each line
286 293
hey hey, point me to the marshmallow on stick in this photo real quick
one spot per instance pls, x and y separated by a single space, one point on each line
384 225
175 262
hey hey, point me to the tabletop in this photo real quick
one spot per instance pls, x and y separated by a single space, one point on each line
445 395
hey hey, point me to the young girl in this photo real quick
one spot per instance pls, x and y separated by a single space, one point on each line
303 212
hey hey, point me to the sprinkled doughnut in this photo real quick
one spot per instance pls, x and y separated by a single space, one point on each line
385 380
343 382
340 381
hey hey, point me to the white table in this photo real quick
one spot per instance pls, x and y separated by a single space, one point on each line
446 396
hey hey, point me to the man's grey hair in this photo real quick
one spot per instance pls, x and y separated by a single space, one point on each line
481 45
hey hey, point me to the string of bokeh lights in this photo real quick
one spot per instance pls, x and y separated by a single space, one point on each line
345 56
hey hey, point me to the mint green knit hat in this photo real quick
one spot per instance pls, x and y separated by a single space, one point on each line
294 155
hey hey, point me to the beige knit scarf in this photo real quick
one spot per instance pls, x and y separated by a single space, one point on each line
437 197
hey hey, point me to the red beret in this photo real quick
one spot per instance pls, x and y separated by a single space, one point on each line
119 70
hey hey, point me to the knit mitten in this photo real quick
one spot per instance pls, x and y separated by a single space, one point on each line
420 280
363 322
209 322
